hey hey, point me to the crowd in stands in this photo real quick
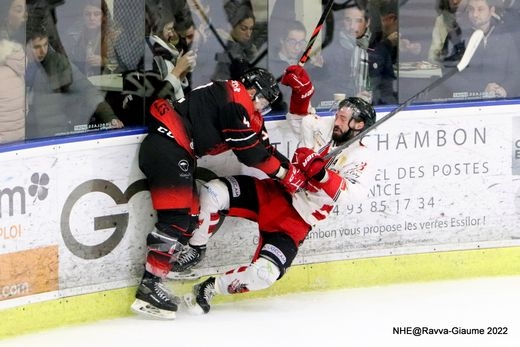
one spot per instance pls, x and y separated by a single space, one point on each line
70 66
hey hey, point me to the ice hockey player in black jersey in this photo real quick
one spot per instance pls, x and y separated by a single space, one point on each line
213 118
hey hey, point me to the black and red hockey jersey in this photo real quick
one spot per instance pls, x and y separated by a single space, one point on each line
222 117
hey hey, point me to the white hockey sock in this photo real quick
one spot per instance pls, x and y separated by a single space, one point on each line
257 276
214 196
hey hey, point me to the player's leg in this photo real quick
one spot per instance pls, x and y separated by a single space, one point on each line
217 197
172 191
214 198
282 231
275 256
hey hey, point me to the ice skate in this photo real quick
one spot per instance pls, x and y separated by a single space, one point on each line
188 275
153 299
190 256
198 302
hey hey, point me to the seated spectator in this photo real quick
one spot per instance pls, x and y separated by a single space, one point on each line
346 59
95 43
172 64
446 35
240 50
383 52
493 69
291 43
56 106
189 40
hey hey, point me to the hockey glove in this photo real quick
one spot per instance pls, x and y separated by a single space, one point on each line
309 162
297 78
293 180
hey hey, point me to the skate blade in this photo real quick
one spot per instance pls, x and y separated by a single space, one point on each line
145 309
185 275
191 305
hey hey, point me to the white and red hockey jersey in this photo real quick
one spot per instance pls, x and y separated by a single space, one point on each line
349 173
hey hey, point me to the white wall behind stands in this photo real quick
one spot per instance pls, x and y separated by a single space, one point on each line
74 216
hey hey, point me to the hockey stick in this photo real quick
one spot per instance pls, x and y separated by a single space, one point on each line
472 46
315 33
204 16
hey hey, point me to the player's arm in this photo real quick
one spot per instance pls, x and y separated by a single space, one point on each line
297 78
248 145
272 149
318 176
243 134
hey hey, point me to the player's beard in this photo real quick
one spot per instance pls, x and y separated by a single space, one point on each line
339 136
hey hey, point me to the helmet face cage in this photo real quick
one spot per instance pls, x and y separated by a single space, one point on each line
263 82
361 110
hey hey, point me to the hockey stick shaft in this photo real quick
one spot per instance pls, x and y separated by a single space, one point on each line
315 33
204 16
471 47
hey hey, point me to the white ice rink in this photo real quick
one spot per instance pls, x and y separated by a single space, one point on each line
350 317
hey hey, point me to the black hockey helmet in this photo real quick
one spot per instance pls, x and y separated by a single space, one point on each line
361 110
263 81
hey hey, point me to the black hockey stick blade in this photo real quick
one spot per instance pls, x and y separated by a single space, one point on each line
471 47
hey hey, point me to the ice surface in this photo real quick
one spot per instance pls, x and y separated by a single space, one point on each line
348 317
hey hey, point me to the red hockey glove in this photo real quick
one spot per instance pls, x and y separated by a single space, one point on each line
297 78
331 184
308 161
293 180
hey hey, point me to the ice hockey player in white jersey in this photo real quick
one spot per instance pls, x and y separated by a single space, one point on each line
284 219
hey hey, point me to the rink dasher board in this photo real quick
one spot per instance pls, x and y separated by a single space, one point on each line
447 180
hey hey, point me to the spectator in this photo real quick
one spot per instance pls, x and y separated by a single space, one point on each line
44 11
291 44
292 41
172 65
94 45
493 70
388 18
12 70
188 41
12 91
348 53
239 50
55 106
13 14
188 35
446 34
383 52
